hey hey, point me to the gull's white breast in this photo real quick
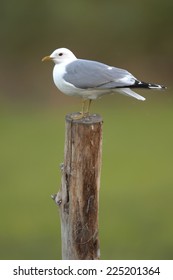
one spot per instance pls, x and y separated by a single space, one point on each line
58 73
69 89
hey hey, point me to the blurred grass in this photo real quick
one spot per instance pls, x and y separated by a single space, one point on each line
136 185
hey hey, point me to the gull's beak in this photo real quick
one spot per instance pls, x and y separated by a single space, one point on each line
46 58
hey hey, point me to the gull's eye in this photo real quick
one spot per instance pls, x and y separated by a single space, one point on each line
60 54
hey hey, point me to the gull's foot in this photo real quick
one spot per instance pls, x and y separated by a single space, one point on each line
79 116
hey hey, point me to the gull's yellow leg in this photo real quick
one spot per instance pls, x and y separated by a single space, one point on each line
83 107
82 113
88 107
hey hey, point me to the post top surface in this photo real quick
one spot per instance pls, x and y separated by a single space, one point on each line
91 119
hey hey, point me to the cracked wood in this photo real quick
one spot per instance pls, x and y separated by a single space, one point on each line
80 188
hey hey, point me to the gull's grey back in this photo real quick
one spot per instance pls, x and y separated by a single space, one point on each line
86 74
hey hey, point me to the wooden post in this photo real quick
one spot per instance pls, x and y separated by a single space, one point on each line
78 198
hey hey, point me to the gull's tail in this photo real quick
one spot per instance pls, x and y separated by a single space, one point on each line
129 92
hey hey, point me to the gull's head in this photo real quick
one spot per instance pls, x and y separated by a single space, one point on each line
60 56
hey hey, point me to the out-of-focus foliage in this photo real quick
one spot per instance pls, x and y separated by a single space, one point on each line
29 26
137 179
134 34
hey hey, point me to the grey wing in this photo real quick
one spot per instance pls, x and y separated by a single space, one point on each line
86 74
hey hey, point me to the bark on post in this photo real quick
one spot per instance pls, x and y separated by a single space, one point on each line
78 198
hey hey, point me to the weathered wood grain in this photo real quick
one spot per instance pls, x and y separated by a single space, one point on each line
79 194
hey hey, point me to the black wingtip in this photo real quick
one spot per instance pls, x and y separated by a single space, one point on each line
155 86
139 84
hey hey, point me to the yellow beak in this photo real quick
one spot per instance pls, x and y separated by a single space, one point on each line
46 58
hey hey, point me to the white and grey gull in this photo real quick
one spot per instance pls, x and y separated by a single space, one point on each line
91 79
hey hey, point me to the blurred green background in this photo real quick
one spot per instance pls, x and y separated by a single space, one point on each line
136 197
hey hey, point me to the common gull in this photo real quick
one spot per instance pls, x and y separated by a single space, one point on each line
91 79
